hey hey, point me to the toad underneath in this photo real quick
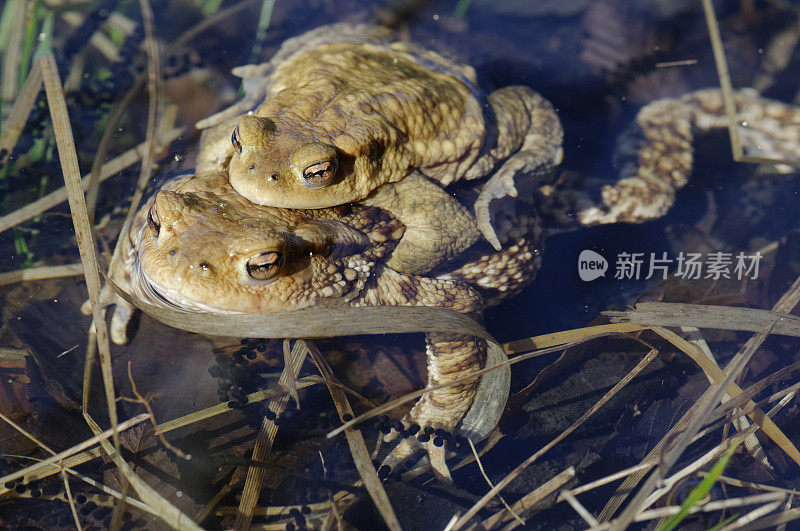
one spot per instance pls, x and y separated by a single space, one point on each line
199 246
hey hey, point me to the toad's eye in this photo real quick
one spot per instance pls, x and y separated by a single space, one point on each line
320 174
153 220
237 144
264 266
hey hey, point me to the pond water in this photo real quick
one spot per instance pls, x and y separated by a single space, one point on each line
598 62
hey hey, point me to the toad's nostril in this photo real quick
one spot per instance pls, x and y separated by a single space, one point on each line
237 144
153 221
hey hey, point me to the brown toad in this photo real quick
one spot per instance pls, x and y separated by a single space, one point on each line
198 246
345 113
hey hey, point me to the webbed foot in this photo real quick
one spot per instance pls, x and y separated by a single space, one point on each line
123 314
439 411
402 456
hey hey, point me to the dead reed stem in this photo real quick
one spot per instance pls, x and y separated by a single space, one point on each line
80 218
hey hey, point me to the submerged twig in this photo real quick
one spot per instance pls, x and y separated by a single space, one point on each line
40 273
491 485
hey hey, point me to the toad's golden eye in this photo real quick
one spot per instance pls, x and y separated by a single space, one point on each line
237 144
264 266
320 174
153 220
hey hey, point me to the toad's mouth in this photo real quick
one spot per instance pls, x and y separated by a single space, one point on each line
150 291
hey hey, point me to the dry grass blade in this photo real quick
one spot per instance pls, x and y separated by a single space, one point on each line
666 485
752 516
718 376
355 440
511 511
527 502
55 468
72 507
20 111
750 485
94 179
784 305
213 411
649 461
20 429
740 422
771 522
569 336
158 504
83 230
701 316
721 505
155 91
724 77
40 273
608 479
315 322
707 403
112 167
185 37
580 509
530 460
111 492
29 473
16 355
291 383
263 445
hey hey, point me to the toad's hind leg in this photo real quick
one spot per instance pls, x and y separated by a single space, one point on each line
450 356
529 137
438 227
656 155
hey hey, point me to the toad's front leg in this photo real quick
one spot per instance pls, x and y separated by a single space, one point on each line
450 358
527 150
438 227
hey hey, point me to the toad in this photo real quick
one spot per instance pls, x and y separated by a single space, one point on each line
198 246
346 113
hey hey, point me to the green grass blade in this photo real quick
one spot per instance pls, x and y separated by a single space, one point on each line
699 492
724 523
461 9
31 33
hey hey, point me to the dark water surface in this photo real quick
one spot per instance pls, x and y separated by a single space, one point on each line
598 62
